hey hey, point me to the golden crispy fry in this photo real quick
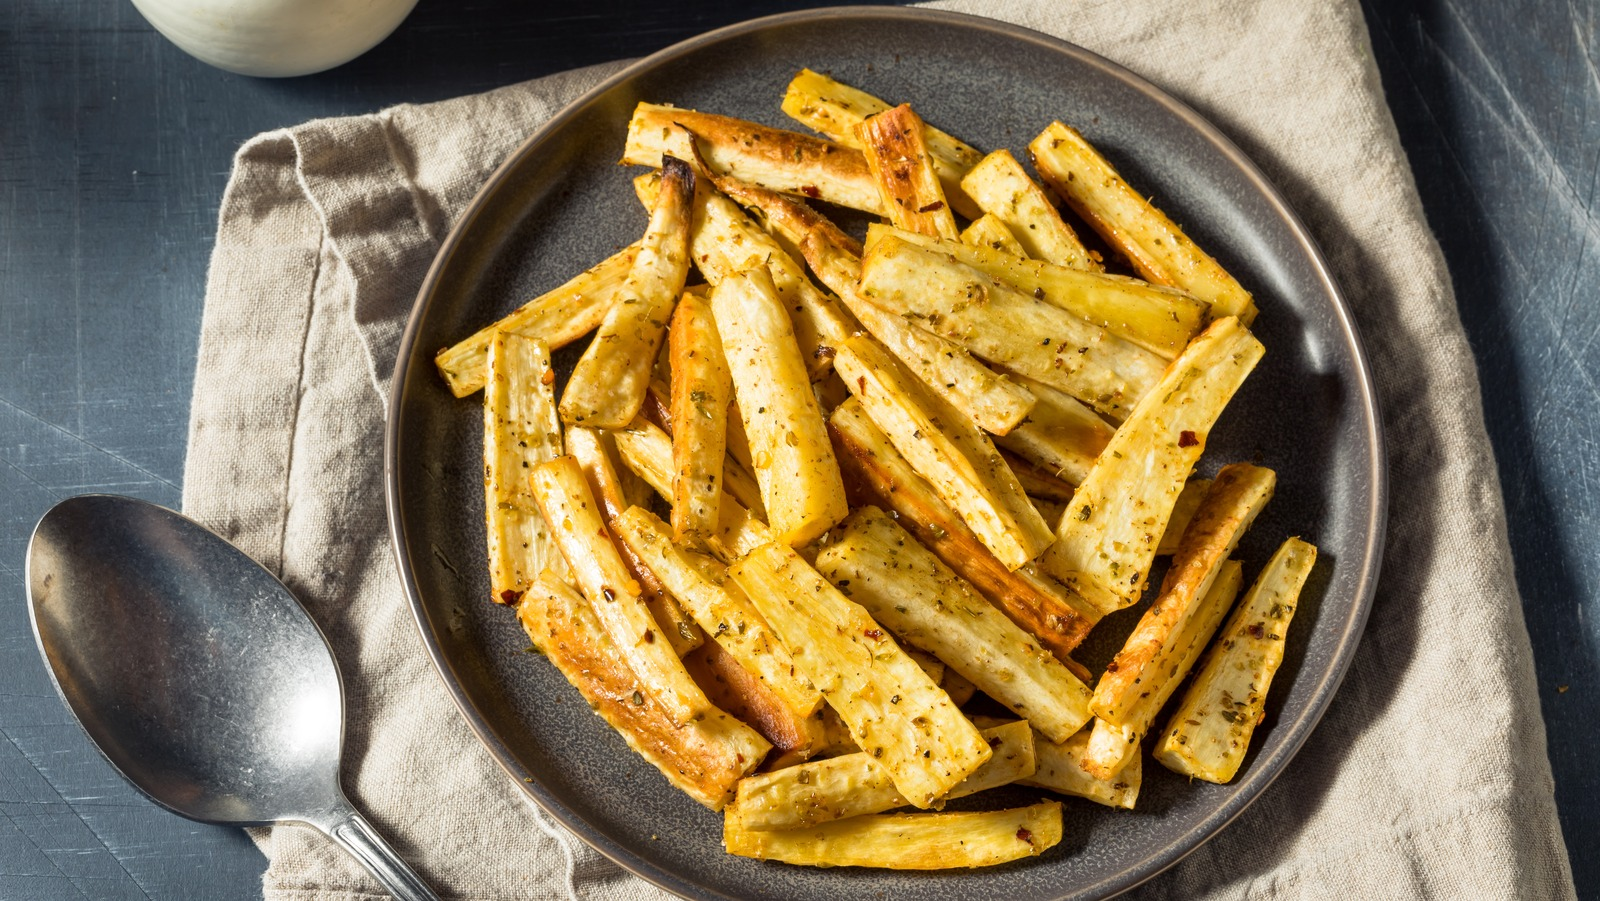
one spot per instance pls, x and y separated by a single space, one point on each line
903 170
1107 541
557 318
1158 249
701 392
800 483
741 693
1060 435
1189 499
1210 731
520 430
894 711
907 841
988 231
608 385
704 758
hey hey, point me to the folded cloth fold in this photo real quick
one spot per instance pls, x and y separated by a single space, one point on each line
1419 783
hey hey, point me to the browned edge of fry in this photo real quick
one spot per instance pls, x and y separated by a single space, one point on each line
897 155
733 688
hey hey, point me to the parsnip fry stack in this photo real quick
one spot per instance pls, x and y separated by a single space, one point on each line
608 385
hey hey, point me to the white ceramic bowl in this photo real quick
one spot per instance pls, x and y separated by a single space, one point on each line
275 38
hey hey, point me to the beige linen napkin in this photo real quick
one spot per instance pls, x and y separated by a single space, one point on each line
1427 779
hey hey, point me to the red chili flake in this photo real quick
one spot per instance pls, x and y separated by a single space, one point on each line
1256 630
1024 835
932 207
1186 438
875 634
649 636
1111 667
549 377
811 192
861 382
509 597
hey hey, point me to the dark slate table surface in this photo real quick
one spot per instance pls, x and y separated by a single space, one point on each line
115 147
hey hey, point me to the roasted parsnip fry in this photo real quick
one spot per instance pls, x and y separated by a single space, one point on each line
855 785
701 392
556 318
719 606
1004 326
1040 605
726 242
1189 499
1108 539
800 483
1210 731
1236 497
1060 434
608 385
738 691
1158 249
596 455
574 516
834 109
520 430
1002 187
901 166
1158 319
905 587
988 231
704 758
907 841
1058 766
947 449
894 711
781 160
1111 747
647 451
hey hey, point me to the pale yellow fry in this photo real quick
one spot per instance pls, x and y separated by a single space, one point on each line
704 758
1058 766
608 385
1002 187
570 508
1107 541
800 484
557 318
1210 731
894 711
903 169
520 430
1158 249
719 606
701 392
907 841
1159 319
988 231
834 109
1018 331
905 587
1237 496
855 785
946 449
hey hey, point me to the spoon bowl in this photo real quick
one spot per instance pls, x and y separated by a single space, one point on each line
196 672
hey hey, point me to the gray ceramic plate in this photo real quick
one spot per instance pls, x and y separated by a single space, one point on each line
560 204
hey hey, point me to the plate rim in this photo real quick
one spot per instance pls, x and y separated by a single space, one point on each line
1264 771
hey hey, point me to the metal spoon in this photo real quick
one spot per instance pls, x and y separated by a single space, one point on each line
197 673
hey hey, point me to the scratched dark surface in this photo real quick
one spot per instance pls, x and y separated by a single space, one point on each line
115 148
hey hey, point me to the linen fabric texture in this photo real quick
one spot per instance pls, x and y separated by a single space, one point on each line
326 231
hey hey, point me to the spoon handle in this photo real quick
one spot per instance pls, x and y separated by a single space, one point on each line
351 830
